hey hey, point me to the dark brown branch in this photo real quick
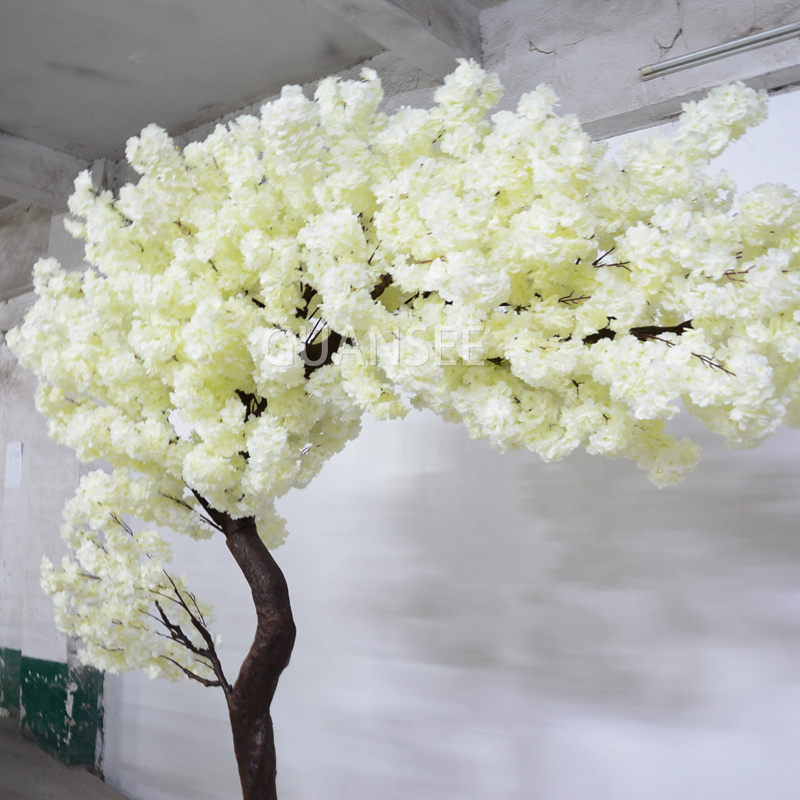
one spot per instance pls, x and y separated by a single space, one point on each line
570 298
254 300
620 264
316 355
603 333
250 697
127 528
179 501
599 261
176 633
737 274
651 331
188 507
254 404
191 674
182 603
713 364
642 334
199 624
216 516
309 292
197 608
381 286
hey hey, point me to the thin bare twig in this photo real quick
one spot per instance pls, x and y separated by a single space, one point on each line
200 625
569 298
191 674
713 364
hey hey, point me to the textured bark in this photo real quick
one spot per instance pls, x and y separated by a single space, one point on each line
250 697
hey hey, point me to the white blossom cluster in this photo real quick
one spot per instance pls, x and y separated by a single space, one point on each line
606 294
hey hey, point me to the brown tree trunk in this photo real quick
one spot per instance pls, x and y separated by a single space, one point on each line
249 699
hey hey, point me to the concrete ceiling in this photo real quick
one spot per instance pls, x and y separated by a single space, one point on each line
79 77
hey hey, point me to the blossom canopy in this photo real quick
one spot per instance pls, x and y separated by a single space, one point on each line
512 276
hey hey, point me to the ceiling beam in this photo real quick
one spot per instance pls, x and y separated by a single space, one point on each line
36 174
431 34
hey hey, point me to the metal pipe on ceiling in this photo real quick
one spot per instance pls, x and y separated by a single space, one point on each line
719 51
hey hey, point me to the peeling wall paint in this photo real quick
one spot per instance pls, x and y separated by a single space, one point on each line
10 663
61 708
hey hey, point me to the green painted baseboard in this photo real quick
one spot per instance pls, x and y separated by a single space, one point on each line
9 679
61 708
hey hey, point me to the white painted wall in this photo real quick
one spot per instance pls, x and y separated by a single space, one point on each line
475 625
30 509
12 547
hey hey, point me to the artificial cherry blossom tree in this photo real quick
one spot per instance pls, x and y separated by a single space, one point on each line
257 292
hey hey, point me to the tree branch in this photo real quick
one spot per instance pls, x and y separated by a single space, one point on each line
316 355
381 286
216 516
250 700
184 504
199 623
308 295
642 334
254 404
191 674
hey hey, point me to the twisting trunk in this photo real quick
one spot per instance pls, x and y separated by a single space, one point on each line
249 699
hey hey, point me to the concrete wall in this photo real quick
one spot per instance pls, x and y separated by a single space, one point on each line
24 232
591 51
23 238
59 701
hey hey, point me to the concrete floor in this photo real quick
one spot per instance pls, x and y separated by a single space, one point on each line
28 773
